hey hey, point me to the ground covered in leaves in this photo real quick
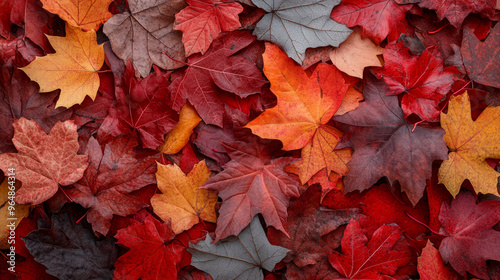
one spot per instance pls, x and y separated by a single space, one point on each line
250 139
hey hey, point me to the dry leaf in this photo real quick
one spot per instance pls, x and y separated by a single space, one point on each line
73 68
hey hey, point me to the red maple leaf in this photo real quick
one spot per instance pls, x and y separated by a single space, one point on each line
153 254
381 256
251 184
215 71
143 106
377 18
114 172
422 79
470 240
203 20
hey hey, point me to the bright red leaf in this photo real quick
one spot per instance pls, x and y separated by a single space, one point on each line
470 240
377 18
153 254
422 79
381 256
203 20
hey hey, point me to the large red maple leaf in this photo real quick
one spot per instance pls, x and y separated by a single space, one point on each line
252 183
153 253
422 79
114 172
381 256
142 106
471 239
216 71
377 18
203 20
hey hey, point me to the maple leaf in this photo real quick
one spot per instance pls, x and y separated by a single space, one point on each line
384 144
471 142
298 25
88 15
19 97
153 253
143 106
218 69
377 18
262 187
178 137
181 200
308 223
43 161
203 20
114 171
145 33
237 257
482 59
305 105
356 53
70 251
386 251
457 10
431 266
470 238
73 68
422 79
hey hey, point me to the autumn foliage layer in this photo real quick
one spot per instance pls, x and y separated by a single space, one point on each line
250 139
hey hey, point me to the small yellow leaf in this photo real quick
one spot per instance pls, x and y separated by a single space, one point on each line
471 143
354 54
73 68
182 201
178 137
85 14
19 212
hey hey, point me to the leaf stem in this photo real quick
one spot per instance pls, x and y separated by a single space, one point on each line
82 217
65 194
176 60
439 29
433 231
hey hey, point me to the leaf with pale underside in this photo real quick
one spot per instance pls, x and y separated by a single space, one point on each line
181 200
73 68
296 25
237 257
471 143
356 53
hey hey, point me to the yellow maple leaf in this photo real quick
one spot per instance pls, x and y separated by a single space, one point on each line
86 14
178 137
182 201
471 143
73 68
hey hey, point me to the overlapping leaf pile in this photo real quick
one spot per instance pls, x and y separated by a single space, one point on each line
283 139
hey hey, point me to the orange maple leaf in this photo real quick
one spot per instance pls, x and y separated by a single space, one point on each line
305 105
86 14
